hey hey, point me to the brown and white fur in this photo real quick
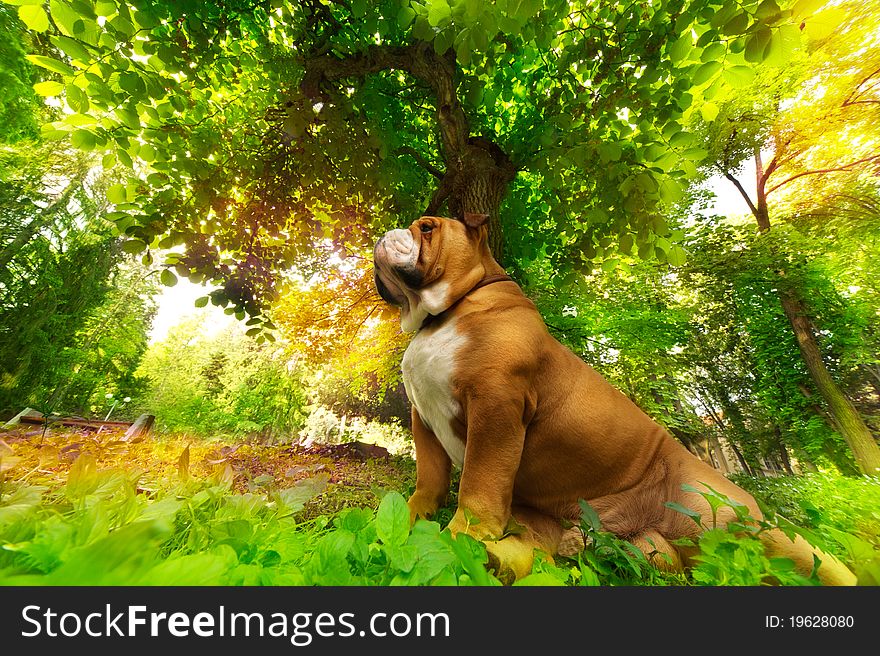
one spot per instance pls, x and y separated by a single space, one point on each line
533 427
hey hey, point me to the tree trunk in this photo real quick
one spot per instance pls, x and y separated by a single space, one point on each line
783 451
12 249
719 455
850 424
742 461
478 172
479 182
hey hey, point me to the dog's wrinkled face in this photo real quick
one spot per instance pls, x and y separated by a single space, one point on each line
427 267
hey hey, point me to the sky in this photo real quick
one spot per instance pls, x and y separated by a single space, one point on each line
178 302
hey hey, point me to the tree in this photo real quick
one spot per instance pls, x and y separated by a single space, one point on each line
224 383
255 130
814 120
19 106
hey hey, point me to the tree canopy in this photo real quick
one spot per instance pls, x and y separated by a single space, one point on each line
261 134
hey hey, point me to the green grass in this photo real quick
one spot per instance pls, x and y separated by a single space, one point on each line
167 512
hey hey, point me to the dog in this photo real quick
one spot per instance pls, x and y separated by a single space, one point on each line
534 428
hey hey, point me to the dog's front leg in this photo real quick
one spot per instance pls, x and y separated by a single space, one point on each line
495 435
433 468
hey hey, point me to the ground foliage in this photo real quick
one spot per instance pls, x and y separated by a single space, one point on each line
181 512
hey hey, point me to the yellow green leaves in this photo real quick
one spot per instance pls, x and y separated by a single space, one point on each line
738 76
34 17
439 13
706 72
822 24
709 111
117 194
680 48
50 64
72 48
49 88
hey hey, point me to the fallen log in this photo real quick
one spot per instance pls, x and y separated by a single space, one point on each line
69 421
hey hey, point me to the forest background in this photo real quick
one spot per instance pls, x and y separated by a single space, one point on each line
258 148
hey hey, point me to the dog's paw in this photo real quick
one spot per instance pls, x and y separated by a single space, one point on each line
420 506
511 558
466 522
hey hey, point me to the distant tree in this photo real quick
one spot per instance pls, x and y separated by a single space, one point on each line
810 126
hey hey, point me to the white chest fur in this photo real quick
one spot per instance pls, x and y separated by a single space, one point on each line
428 367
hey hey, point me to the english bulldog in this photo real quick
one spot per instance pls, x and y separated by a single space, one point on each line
533 428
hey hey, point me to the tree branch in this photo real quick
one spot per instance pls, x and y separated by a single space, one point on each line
745 195
444 189
421 161
419 60
835 169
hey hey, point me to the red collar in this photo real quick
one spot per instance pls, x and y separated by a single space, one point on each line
488 280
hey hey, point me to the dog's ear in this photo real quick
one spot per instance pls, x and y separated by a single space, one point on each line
472 220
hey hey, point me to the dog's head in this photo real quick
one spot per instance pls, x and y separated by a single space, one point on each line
429 266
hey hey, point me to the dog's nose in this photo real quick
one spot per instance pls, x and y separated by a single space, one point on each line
400 240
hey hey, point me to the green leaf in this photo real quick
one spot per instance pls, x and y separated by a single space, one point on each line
66 18
201 301
713 52
76 99
736 25
783 42
117 194
756 44
49 88
681 47
443 41
133 84
79 120
134 246
71 47
694 515
676 256
709 111
609 152
768 10
392 519
670 190
439 13
50 64
168 278
34 17
589 517
83 139
128 117
705 72
695 154
405 17
738 76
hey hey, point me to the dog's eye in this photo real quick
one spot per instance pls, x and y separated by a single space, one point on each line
426 227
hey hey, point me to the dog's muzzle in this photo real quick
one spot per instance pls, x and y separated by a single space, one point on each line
394 260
